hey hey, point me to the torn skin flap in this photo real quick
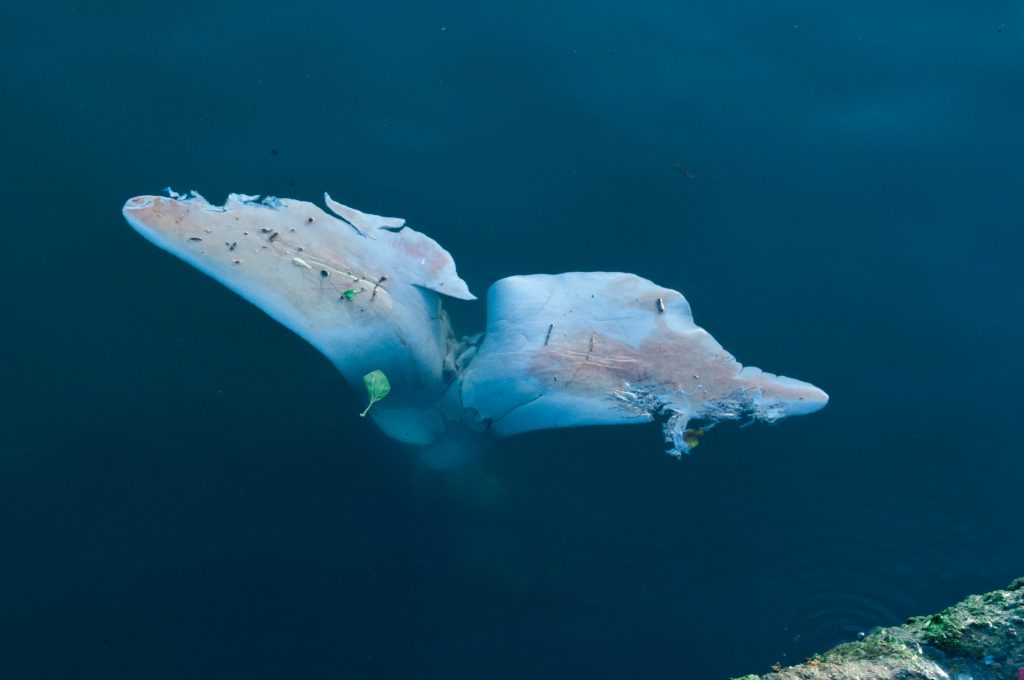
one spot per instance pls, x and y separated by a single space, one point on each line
422 260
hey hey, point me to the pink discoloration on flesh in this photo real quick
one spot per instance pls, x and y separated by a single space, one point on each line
434 259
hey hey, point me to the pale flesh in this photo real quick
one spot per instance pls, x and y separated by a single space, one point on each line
572 349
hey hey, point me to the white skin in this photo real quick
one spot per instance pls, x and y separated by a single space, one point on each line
559 351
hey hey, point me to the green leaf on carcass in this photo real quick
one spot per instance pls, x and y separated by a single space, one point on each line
377 386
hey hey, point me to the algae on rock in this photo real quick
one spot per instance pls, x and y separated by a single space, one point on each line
981 638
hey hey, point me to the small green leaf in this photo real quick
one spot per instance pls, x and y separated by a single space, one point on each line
377 386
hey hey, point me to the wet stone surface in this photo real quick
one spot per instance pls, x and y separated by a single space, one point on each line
981 638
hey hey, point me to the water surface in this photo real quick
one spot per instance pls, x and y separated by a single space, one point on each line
186 489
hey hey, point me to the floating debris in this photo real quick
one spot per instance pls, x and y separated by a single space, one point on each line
377 386
376 285
692 436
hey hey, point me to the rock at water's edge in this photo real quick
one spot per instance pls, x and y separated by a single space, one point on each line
981 638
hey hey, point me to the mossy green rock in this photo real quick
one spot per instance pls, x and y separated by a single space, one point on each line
981 638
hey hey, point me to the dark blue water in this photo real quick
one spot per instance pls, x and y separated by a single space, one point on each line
186 489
